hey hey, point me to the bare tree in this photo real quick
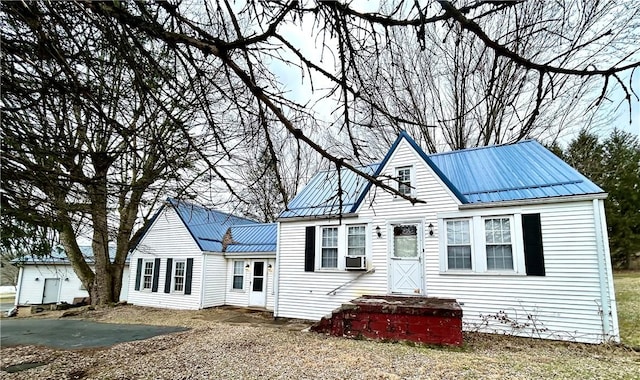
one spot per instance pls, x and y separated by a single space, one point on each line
90 133
224 55
453 91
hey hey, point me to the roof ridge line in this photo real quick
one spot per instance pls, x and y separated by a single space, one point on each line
481 147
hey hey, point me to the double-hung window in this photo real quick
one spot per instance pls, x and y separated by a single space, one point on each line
458 244
492 244
147 274
356 240
336 247
498 244
238 275
329 248
404 180
179 267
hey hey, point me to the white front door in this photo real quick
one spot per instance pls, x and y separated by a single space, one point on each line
257 291
51 290
405 259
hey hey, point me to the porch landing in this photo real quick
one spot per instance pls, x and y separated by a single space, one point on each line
425 320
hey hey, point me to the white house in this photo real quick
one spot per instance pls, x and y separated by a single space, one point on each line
192 257
511 232
51 279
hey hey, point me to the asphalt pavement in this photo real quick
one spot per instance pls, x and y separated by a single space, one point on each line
74 334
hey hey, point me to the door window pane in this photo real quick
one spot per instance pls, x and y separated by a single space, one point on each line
405 241
258 276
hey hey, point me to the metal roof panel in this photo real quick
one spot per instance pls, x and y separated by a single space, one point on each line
520 171
207 226
321 196
259 237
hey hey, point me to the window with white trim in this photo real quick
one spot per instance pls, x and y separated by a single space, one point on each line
238 275
498 244
329 248
179 269
147 274
483 244
331 245
458 244
403 176
356 240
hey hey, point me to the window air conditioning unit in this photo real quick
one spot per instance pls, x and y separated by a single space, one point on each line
355 263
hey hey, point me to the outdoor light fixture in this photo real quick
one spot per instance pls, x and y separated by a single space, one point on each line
37 278
378 231
66 279
430 229
270 267
246 267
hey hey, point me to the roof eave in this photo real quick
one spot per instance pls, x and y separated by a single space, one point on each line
533 201
316 217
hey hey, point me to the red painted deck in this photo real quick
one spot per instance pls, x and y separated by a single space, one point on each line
418 319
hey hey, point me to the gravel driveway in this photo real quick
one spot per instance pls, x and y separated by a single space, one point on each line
244 347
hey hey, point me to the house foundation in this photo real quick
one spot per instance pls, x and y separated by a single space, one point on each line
424 320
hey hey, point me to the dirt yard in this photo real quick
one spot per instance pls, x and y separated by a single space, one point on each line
238 345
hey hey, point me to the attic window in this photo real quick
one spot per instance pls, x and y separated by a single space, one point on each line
403 176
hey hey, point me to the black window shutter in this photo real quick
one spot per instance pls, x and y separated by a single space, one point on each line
167 277
188 276
138 274
533 250
156 275
310 249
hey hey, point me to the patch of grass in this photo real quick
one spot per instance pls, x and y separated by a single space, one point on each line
627 287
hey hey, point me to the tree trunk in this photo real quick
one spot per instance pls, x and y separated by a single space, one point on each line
74 255
100 245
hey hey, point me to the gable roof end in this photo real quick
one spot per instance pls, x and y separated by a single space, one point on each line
404 135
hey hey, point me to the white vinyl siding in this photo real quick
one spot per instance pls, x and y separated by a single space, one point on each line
236 297
378 209
167 238
564 304
30 290
214 285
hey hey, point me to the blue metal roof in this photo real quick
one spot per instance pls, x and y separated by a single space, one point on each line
321 197
207 226
59 256
525 170
253 238
521 171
